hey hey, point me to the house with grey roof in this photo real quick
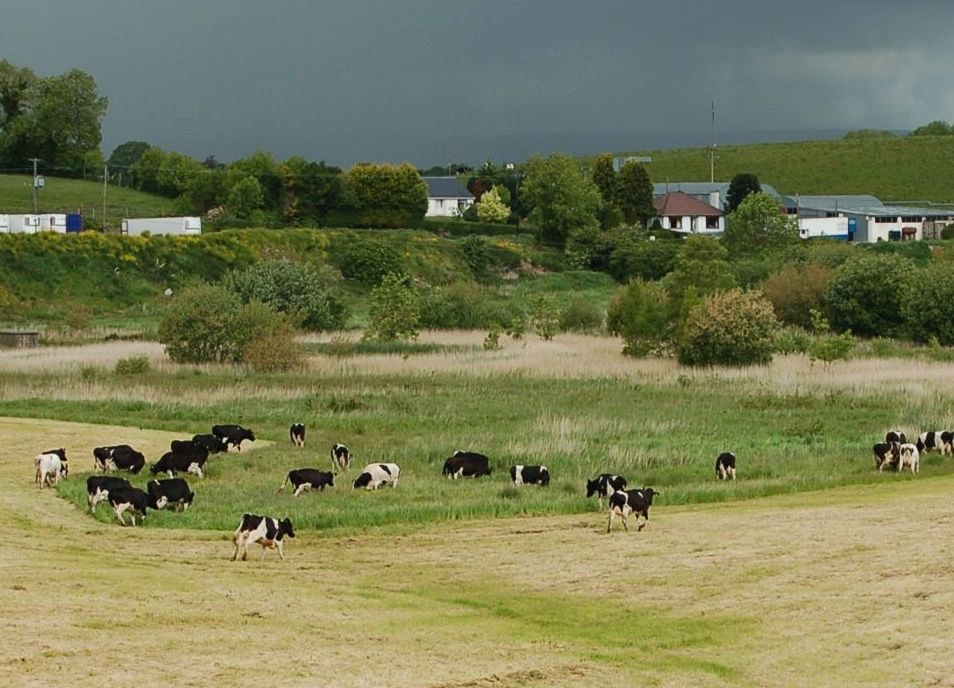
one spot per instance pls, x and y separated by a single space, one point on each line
447 197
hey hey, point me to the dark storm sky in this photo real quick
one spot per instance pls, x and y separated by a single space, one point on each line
395 80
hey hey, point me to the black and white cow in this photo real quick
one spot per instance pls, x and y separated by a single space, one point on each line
297 434
173 491
895 436
604 485
98 487
887 455
51 465
725 466
627 502
936 441
233 434
340 457
375 475
173 463
530 475
266 531
466 464
214 445
910 457
308 479
120 457
130 499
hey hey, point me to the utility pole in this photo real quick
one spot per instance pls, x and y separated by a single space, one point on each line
105 179
712 153
35 207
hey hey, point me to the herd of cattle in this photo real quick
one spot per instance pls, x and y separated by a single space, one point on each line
191 456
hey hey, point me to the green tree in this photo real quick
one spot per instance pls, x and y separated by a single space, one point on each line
395 310
634 194
604 177
244 198
797 291
927 305
643 314
177 174
741 186
387 195
123 159
491 207
146 170
733 328
262 166
701 267
59 119
758 225
310 190
559 197
936 128
15 84
865 295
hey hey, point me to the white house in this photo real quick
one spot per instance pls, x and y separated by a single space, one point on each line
680 212
447 197
712 193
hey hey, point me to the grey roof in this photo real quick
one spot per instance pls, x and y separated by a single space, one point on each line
870 206
700 188
446 187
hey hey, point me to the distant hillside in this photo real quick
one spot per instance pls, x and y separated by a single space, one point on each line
908 168
72 195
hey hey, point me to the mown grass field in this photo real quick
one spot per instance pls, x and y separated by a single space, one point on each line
908 168
76 195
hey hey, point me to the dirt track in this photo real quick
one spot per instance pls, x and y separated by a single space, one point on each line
846 587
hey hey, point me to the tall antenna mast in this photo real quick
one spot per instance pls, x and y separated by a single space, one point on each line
712 153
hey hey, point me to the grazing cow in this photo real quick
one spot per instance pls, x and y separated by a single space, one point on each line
308 479
466 464
175 491
530 475
909 457
340 457
233 434
936 441
214 445
130 499
120 457
99 486
375 475
887 455
725 466
297 434
604 485
173 463
895 436
50 466
266 531
624 503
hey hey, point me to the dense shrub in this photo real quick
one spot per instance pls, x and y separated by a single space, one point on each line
476 254
366 261
635 255
642 314
386 195
395 310
133 365
307 294
274 351
734 328
792 340
209 324
927 305
456 306
581 315
865 295
544 316
795 291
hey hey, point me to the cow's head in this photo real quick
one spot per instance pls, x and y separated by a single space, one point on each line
649 493
592 487
285 528
249 435
64 468
362 480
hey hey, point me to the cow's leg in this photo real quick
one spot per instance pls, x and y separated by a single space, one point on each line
625 526
119 514
281 549
235 541
609 521
299 489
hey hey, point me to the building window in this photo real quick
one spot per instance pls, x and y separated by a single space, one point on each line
886 220
675 223
712 222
